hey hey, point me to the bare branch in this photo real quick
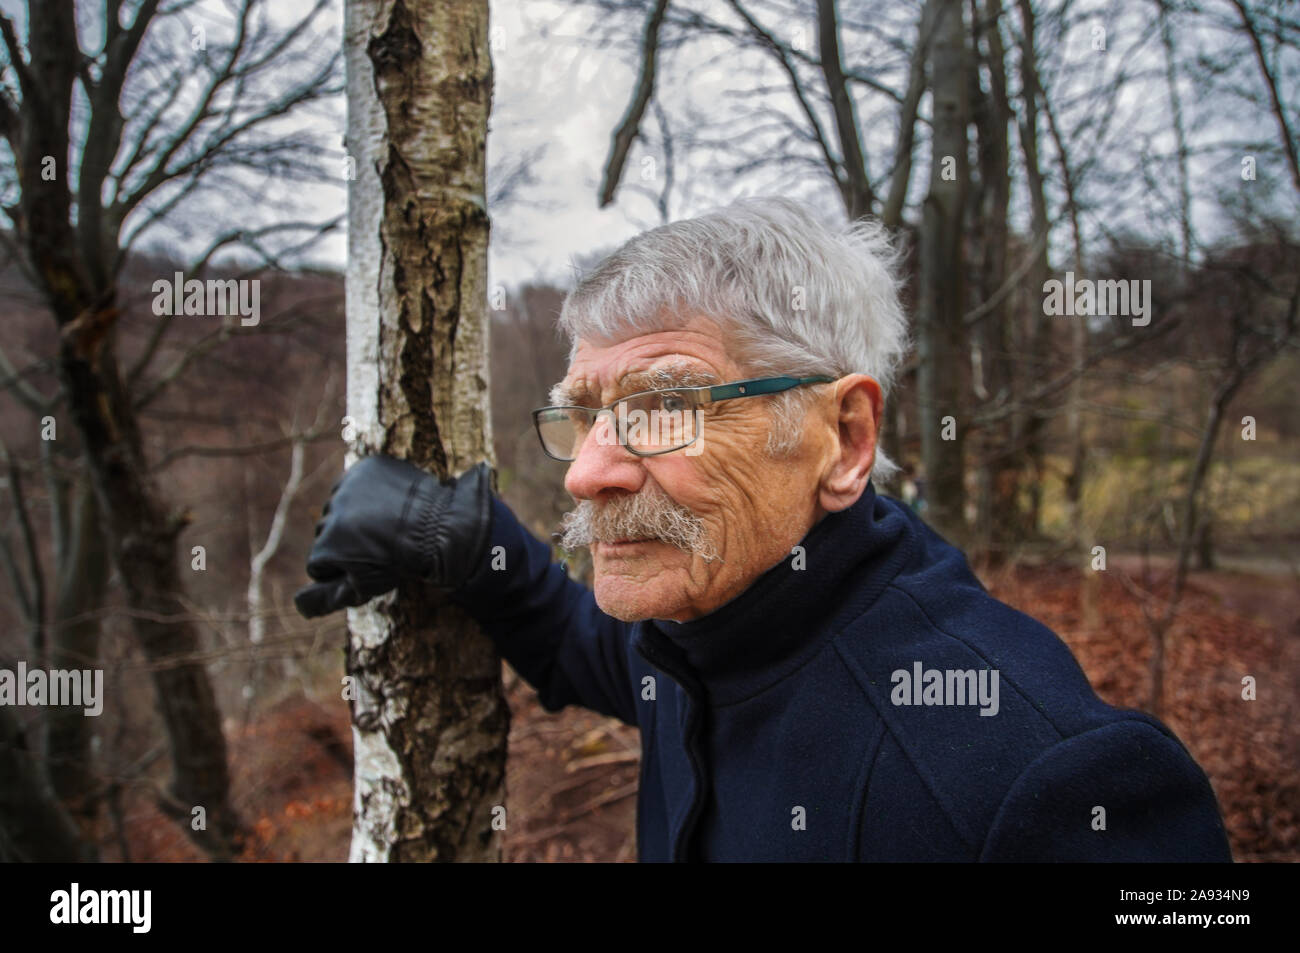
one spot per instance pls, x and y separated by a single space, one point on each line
780 52
14 49
858 196
247 450
1275 98
629 127
1041 394
35 597
205 153
8 117
975 314
16 579
274 536
900 178
240 236
104 134
213 340
27 395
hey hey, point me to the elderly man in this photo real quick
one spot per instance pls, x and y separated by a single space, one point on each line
816 674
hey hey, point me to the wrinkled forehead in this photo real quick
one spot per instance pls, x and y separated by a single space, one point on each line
690 353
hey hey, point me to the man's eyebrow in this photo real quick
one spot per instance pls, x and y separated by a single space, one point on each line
571 395
677 374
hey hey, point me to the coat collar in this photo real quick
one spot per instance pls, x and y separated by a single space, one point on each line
787 613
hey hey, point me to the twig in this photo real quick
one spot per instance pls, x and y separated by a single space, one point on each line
596 760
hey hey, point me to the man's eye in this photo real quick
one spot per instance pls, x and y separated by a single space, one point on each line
673 403
579 420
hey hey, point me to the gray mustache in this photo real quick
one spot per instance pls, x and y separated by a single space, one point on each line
649 514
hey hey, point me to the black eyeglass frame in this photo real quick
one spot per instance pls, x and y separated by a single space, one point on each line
699 396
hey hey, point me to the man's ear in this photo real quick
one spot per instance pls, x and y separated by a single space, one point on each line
855 416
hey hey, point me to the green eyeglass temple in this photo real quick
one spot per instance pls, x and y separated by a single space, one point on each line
708 394
757 386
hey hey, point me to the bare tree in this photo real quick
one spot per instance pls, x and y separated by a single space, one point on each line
155 120
1253 288
1257 301
823 126
941 334
988 210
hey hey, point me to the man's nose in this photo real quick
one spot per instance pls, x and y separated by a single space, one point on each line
603 464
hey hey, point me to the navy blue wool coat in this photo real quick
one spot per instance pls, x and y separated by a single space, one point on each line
801 721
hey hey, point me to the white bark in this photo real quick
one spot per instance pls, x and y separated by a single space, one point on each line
274 536
419 88
374 803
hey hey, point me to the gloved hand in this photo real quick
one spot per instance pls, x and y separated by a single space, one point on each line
388 521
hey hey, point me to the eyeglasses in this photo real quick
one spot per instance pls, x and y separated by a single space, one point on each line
650 422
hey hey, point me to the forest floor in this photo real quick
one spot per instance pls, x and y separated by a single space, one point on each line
571 776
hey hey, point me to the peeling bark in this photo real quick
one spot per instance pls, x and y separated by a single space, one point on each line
429 719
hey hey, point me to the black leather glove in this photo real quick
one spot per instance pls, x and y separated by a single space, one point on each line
388 521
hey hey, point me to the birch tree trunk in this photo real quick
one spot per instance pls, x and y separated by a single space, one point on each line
429 719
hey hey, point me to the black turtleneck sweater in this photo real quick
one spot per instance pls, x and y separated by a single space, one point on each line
863 700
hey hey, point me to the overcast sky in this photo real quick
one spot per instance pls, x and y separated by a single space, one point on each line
559 94
563 96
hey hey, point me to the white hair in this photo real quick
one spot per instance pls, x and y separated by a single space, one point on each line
792 296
